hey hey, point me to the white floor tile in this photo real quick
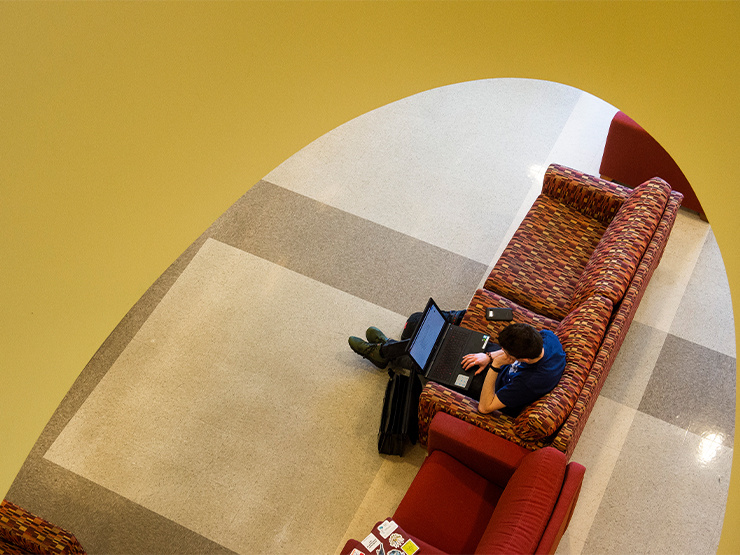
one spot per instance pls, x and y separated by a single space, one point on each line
666 289
705 313
286 396
447 166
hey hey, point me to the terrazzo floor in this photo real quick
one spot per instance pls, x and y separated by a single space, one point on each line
227 414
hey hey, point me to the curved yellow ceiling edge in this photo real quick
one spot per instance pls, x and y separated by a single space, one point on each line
103 177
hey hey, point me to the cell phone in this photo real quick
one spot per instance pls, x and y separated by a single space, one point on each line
499 314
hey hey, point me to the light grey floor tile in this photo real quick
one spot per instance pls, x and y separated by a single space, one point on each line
705 313
666 288
581 142
385 493
666 494
631 371
598 450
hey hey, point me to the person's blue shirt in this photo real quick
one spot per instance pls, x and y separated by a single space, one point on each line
520 384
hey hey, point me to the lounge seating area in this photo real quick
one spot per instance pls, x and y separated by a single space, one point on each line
169 468
578 265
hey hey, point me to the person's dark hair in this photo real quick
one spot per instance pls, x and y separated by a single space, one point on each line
521 341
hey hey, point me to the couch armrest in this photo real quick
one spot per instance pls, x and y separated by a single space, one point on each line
33 534
591 196
563 510
487 454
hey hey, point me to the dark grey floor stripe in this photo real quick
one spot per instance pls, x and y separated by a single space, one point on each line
365 259
104 523
693 387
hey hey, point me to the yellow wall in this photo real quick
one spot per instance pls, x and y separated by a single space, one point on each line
127 128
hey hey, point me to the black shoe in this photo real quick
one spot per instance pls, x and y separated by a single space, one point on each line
370 351
374 335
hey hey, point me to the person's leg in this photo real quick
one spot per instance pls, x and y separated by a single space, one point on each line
380 354
396 353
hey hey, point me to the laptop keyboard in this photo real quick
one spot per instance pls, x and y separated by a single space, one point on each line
447 361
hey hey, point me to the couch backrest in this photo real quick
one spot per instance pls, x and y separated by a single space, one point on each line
616 257
591 196
525 506
580 333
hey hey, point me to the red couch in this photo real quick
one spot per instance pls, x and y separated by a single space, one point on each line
632 156
23 532
478 493
578 265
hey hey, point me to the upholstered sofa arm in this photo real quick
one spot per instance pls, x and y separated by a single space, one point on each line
32 534
591 196
563 511
492 457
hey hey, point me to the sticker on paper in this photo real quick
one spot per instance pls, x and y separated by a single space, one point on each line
371 542
396 540
356 551
410 547
387 528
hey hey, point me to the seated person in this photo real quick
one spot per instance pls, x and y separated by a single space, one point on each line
524 365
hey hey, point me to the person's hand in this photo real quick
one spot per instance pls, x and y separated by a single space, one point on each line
472 360
500 358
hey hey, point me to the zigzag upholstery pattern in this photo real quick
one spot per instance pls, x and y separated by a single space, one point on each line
615 259
475 315
540 267
593 197
589 357
580 333
437 398
23 532
570 431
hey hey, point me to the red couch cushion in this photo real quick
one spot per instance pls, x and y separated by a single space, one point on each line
580 333
545 258
447 505
526 505
616 257
475 315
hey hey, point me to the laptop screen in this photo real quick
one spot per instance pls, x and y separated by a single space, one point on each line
426 336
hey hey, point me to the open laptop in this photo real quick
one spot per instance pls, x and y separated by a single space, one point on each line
438 348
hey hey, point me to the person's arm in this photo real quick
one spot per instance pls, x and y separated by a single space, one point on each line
489 402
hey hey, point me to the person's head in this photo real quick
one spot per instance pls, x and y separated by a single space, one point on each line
521 341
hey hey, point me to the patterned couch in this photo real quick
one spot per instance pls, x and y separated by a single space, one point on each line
578 265
23 532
